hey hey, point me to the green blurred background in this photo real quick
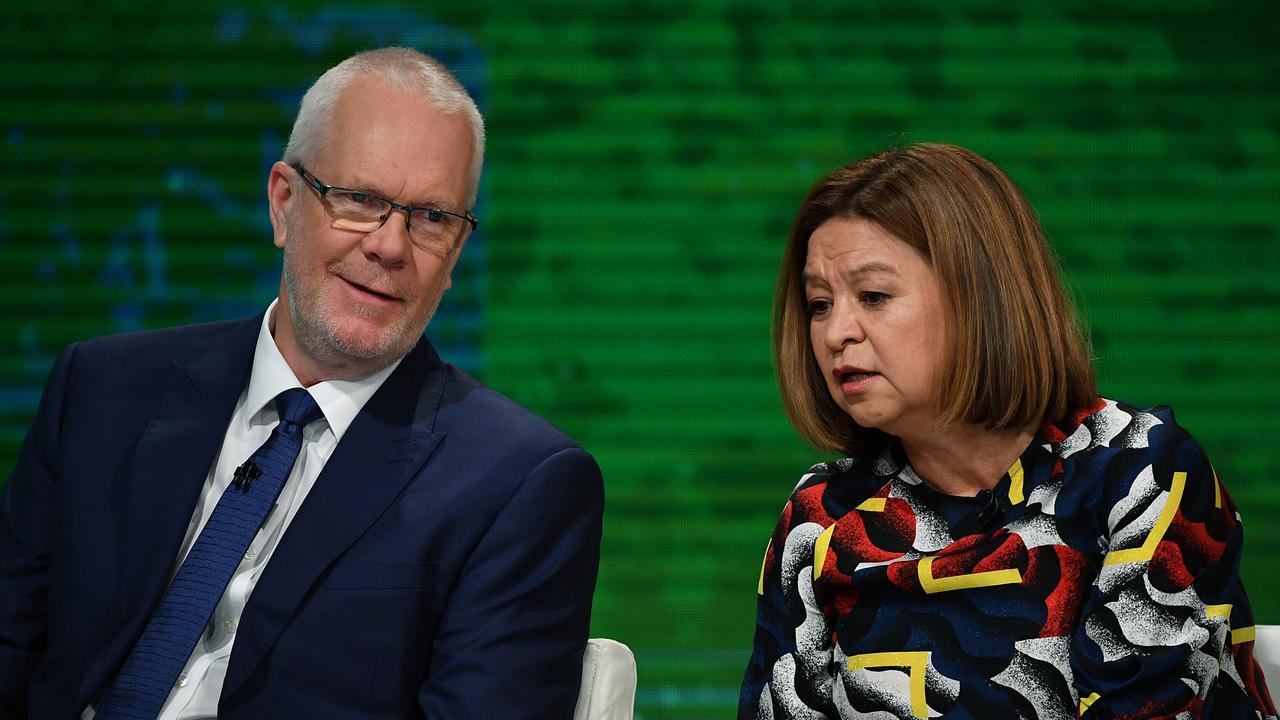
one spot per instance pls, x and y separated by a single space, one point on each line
644 163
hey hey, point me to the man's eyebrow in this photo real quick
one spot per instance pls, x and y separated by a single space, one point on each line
868 268
435 203
427 202
363 186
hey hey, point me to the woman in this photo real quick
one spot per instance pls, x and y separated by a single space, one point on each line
1001 541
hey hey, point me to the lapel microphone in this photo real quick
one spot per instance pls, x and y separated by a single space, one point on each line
990 511
982 521
245 474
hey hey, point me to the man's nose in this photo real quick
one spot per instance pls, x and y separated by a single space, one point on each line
389 244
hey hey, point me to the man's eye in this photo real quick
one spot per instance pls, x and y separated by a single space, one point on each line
361 199
434 215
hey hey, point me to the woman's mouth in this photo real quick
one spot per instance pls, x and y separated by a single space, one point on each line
854 380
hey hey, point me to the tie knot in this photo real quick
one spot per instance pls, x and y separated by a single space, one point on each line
296 406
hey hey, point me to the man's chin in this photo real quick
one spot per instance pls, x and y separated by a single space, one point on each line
370 346
361 343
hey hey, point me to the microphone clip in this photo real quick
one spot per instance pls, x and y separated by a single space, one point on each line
245 474
991 510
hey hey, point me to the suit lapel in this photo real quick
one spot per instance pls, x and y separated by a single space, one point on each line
390 440
159 489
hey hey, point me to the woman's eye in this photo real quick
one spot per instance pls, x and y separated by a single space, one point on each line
873 298
817 306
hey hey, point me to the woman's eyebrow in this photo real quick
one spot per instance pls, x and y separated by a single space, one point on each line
867 268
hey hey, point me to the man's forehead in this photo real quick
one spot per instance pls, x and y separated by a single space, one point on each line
366 97
399 145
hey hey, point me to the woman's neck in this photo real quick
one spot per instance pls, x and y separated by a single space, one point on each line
965 459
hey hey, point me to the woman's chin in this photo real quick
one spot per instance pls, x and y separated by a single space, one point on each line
868 416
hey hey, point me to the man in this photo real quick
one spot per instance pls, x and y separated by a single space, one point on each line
425 547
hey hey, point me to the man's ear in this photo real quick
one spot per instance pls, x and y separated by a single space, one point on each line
279 194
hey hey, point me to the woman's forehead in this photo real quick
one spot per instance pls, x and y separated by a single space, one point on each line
853 247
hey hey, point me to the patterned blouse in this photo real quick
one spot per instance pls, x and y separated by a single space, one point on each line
1097 579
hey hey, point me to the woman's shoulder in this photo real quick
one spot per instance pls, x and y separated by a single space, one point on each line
821 473
1121 454
872 467
1114 425
827 490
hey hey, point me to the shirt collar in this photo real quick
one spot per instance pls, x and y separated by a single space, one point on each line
340 400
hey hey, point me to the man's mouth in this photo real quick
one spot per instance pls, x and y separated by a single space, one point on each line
371 291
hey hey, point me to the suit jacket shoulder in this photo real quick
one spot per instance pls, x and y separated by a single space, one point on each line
137 357
495 416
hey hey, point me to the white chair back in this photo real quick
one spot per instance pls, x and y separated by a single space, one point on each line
608 682
1266 650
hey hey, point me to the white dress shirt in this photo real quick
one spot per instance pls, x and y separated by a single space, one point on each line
195 696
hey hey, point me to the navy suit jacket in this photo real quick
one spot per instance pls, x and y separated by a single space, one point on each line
442 565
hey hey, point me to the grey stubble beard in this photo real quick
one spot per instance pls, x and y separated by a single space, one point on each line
319 338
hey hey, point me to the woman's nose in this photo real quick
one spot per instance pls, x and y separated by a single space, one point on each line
844 327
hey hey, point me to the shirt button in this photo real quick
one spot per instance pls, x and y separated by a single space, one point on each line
250 555
182 680
230 625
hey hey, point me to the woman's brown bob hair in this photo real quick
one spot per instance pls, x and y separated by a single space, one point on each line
1017 353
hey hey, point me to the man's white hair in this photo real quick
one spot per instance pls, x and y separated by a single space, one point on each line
406 70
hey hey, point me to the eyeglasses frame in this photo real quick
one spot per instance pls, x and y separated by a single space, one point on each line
323 189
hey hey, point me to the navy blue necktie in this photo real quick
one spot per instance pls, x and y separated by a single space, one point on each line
152 668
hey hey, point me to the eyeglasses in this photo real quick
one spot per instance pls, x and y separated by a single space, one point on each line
362 211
